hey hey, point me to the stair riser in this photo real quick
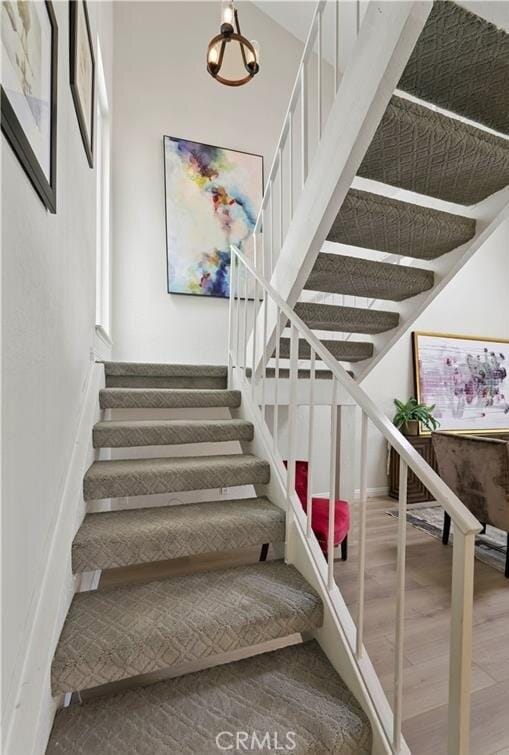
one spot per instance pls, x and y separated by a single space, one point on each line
246 526
140 381
154 369
349 326
130 438
318 282
130 485
113 399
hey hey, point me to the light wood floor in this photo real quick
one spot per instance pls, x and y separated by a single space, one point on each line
428 577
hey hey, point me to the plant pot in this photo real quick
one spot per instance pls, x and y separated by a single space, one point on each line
410 428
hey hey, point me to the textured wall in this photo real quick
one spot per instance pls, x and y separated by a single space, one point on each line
476 302
48 317
162 87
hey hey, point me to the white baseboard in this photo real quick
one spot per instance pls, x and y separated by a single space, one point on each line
29 726
372 493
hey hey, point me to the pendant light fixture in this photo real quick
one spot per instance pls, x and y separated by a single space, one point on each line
230 32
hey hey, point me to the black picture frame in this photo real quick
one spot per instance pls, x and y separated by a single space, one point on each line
15 135
88 144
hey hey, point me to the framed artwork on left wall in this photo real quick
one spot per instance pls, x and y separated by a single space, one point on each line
82 73
29 91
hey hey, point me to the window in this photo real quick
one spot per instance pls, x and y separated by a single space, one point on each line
103 136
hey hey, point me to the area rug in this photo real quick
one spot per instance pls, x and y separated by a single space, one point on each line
489 547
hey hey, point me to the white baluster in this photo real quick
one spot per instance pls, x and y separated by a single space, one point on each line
290 164
460 648
263 271
271 258
400 606
276 382
264 350
304 123
332 484
230 321
237 314
280 200
336 45
292 408
362 536
309 506
244 340
253 340
319 63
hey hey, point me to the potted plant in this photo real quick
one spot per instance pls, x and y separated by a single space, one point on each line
409 415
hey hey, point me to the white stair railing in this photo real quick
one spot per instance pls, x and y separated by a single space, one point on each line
244 314
289 170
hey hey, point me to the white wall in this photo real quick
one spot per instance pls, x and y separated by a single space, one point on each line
162 87
476 302
48 313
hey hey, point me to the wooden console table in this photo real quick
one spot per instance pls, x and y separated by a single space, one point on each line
417 492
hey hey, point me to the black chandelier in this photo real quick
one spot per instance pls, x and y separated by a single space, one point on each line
250 51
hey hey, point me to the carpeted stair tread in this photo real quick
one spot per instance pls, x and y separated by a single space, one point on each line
290 690
166 398
345 319
153 369
373 221
118 478
136 629
339 274
461 63
421 150
343 351
153 375
129 433
134 536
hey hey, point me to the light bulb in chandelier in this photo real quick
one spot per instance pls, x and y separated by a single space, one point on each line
253 56
213 56
227 17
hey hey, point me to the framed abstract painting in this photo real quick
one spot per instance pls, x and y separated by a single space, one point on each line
29 91
212 198
466 377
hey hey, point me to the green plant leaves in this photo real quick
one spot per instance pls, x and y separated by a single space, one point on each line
412 410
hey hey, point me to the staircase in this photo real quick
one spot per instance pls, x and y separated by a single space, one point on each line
348 247
423 188
203 620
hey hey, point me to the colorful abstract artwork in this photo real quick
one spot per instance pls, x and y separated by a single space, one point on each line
466 378
212 199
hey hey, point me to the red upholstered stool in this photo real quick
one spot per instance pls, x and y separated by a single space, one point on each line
320 514
320 523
